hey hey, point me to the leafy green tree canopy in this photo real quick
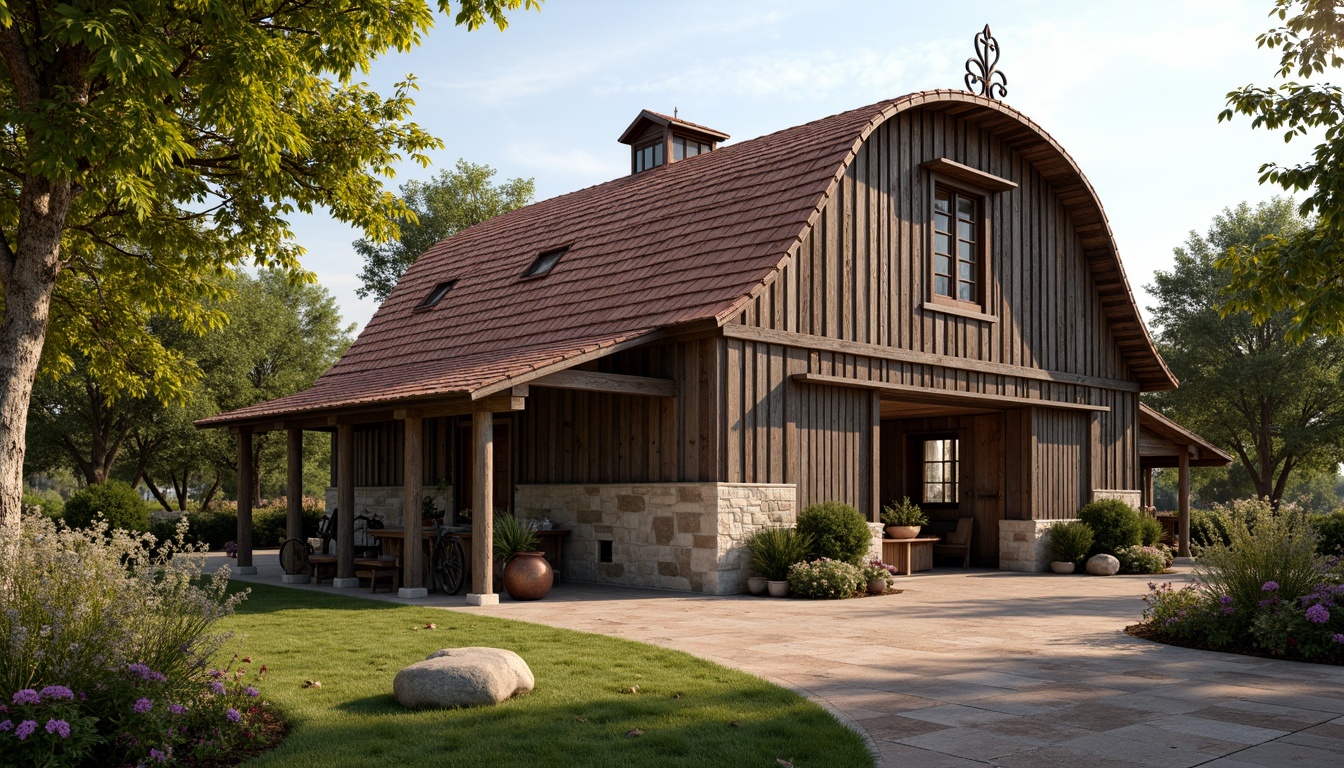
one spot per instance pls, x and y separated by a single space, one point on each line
442 207
1301 272
149 148
1276 405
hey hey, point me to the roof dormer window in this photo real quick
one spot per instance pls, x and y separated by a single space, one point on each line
435 296
683 147
656 140
648 156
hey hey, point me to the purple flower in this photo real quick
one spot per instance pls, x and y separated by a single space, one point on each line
232 715
8 725
250 691
57 692
25 729
143 672
1270 586
141 706
27 696
157 756
1318 614
1338 638
59 726
216 673
176 709
218 687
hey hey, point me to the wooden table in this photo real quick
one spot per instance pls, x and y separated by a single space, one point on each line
393 543
909 555
552 545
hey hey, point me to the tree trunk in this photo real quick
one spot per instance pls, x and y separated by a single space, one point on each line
154 489
27 276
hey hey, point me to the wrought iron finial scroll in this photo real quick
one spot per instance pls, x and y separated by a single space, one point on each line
982 70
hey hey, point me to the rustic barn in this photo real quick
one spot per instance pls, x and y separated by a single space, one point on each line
921 297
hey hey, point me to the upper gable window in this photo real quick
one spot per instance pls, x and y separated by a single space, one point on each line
683 148
958 245
544 263
435 296
648 157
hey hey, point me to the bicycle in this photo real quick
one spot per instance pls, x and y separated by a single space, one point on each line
296 555
448 564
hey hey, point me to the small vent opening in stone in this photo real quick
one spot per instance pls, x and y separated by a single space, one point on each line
604 551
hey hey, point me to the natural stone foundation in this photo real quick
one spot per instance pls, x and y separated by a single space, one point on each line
685 536
1022 545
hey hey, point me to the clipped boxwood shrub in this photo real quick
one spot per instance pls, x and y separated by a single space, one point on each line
837 530
1114 525
116 501
1069 542
1150 530
1209 528
825 579
212 527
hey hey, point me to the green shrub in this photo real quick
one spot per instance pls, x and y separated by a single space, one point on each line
1141 559
269 521
1069 542
825 579
1150 530
903 512
837 531
1209 527
512 537
774 550
1330 533
48 503
1266 548
1114 525
212 527
116 501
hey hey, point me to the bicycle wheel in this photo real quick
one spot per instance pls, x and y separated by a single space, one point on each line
294 556
450 565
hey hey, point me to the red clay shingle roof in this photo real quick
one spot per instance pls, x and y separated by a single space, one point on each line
683 242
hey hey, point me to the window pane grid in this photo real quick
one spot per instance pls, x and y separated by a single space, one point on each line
940 471
955 246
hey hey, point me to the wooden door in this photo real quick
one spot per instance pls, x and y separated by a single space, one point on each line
466 463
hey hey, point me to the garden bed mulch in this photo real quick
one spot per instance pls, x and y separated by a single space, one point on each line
1145 631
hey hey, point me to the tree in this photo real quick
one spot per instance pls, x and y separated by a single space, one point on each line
149 147
442 207
1277 405
1301 273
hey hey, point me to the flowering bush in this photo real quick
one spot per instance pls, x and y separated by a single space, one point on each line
876 569
825 579
1139 559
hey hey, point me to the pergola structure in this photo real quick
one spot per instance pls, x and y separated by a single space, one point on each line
1164 443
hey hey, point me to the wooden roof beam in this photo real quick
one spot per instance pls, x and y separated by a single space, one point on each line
617 383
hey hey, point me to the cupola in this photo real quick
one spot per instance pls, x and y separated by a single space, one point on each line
656 140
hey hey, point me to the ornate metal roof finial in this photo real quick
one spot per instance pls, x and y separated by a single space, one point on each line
982 68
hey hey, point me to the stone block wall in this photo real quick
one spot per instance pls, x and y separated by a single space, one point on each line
684 536
1022 545
1132 498
385 501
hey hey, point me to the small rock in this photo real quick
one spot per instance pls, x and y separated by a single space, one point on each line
1103 565
634 733
312 684
463 677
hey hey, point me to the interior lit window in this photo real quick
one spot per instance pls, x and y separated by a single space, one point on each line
940 471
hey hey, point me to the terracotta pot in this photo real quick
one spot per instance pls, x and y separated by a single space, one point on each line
528 576
756 585
877 587
1060 566
902 531
778 588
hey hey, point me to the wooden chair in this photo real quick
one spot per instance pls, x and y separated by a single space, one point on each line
957 542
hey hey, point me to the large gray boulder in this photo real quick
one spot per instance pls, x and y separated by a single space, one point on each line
1103 565
463 677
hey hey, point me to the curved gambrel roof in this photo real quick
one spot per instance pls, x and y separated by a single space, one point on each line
685 243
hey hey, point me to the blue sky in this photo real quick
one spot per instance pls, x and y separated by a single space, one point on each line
1131 90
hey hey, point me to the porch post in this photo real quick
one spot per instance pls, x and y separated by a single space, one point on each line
345 507
412 488
294 496
482 511
1148 488
244 534
1183 503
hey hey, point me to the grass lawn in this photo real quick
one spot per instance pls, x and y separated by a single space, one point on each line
691 712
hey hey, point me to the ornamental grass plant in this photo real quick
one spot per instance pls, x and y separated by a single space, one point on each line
1267 546
1069 542
775 550
512 536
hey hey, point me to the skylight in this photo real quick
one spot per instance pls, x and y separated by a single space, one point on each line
436 295
544 263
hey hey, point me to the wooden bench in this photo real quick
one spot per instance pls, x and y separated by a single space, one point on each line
909 554
375 569
319 563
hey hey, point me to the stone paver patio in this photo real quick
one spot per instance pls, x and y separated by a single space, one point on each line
976 668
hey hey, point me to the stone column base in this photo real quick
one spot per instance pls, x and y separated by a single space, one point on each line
412 592
1022 545
245 570
294 578
350 583
488 599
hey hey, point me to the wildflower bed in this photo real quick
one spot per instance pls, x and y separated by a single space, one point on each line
599 701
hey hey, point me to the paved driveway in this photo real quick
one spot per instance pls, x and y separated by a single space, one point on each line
986 668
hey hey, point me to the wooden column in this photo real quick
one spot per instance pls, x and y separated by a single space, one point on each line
1183 503
1148 488
412 554
482 510
294 484
345 507
245 482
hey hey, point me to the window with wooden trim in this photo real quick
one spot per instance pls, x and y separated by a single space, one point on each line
435 296
958 245
939 476
683 147
650 156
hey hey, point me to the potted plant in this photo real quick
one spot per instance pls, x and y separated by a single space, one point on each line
773 550
1068 545
527 575
903 519
877 575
